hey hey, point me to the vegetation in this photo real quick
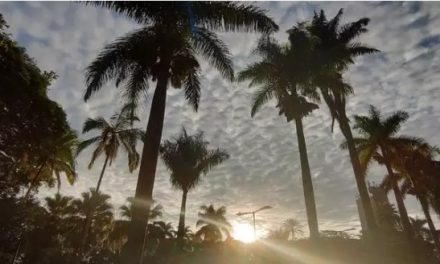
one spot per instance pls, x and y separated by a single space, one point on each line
187 158
38 147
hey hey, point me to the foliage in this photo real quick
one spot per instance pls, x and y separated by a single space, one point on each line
30 123
213 224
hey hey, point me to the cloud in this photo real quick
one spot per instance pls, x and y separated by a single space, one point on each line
264 165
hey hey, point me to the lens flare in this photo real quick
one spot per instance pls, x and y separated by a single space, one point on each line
243 233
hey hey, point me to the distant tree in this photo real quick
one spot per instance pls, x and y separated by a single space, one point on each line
213 224
420 229
294 227
113 134
387 216
187 158
280 234
94 205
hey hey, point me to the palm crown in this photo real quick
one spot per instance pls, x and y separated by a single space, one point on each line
115 133
188 157
213 223
173 43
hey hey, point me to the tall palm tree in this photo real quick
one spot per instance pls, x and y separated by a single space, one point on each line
294 227
338 48
60 159
188 158
379 138
118 131
213 223
290 74
174 34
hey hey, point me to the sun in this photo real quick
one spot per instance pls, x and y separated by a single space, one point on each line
243 232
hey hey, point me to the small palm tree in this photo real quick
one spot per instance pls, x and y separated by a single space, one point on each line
60 159
113 134
419 227
213 224
188 158
280 234
338 48
378 138
94 205
294 227
174 34
155 212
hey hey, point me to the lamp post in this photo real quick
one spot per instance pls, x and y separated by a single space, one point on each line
253 215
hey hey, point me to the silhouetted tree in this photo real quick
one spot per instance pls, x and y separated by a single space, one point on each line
338 48
213 224
187 158
174 34
379 136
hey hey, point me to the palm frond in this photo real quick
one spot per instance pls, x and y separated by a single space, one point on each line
86 143
92 124
212 159
260 97
214 50
118 58
192 89
233 16
393 123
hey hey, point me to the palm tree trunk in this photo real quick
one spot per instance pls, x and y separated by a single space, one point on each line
34 180
360 179
88 220
25 197
102 173
181 227
432 230
399 199
309 195
144 188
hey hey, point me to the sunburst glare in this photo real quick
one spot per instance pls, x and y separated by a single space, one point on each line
243 232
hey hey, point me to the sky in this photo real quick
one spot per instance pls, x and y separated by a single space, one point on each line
264 167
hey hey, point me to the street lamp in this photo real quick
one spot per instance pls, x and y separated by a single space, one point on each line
253 215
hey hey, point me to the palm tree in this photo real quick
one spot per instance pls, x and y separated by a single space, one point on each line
419 228
94 205
118 131
155 212
174 33
339 48
280 234
418 170
378 137
213 222
113 134
187 158
294 227
290 74
58 160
